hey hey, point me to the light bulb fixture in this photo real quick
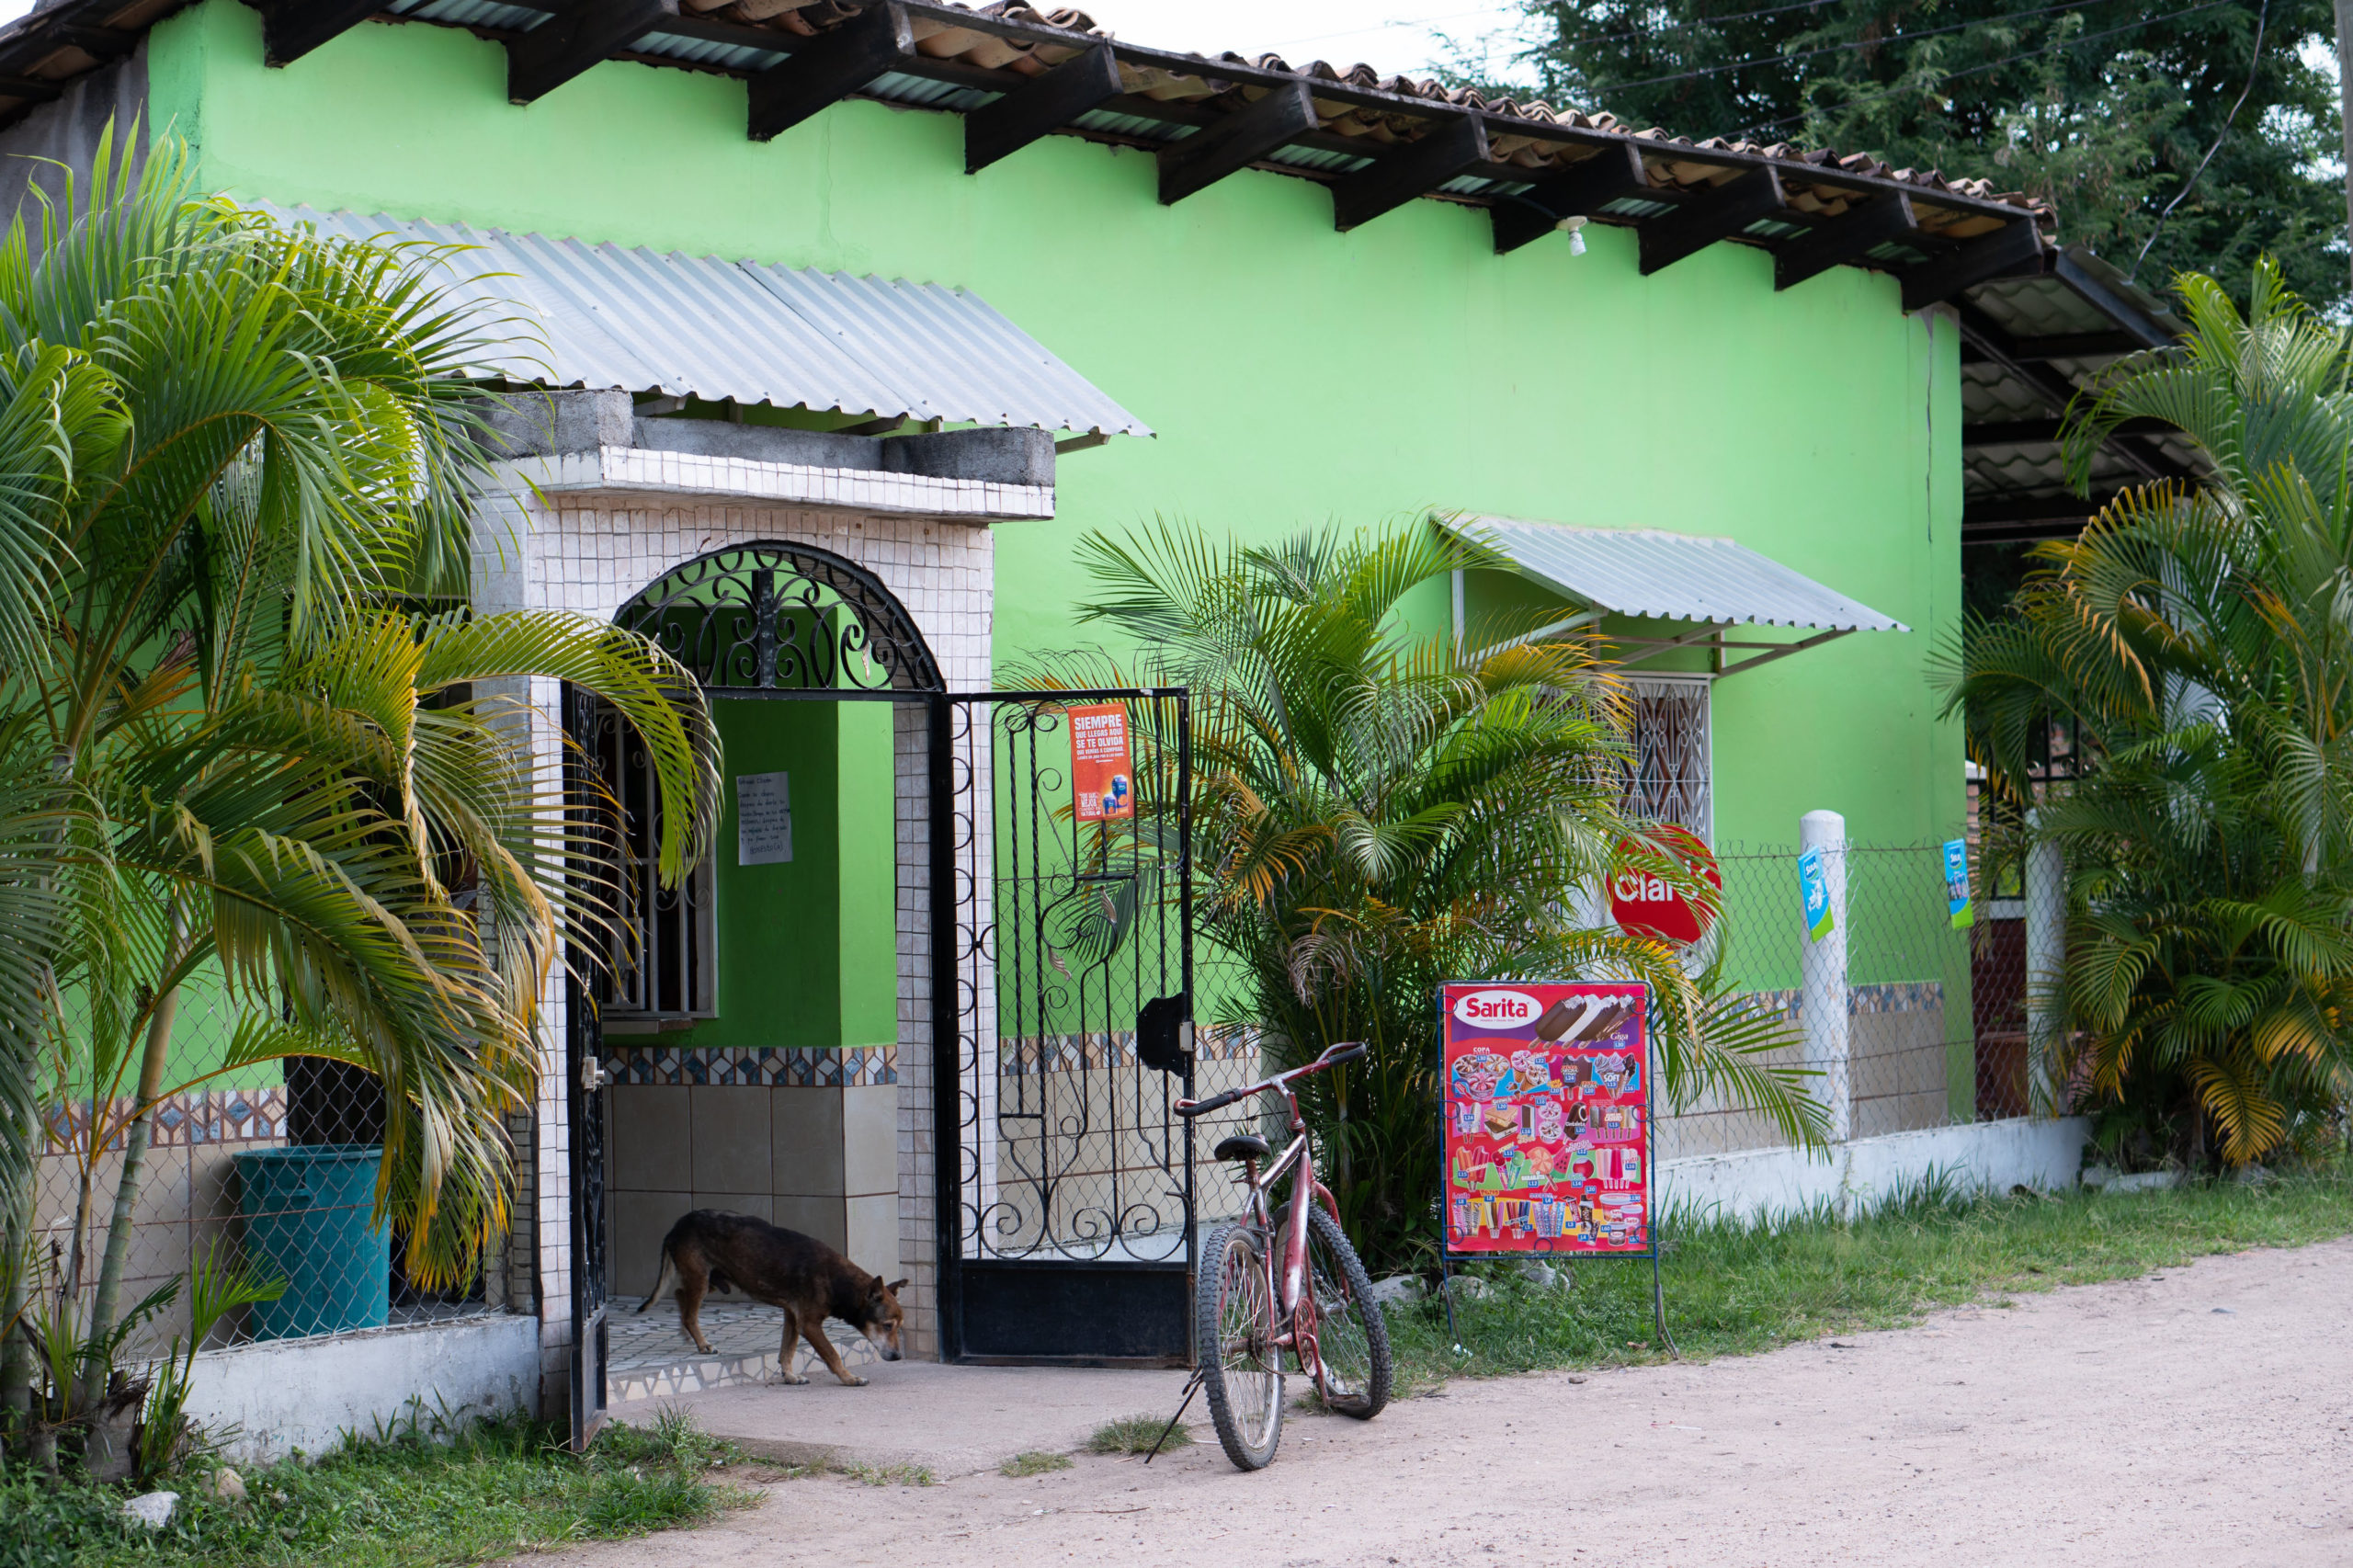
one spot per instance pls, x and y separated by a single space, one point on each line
1573 227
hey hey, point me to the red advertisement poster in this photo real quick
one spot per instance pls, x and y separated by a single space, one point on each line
1102 776
1548 1118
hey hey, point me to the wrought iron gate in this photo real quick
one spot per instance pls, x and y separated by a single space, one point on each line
584 1077
1064 972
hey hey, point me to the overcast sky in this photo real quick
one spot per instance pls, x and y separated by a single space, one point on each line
1399 38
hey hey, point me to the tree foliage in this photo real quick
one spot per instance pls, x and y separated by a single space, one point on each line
248 732
2106 109
2203 641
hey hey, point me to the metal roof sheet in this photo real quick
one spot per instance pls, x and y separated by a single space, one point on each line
699 326
1648 572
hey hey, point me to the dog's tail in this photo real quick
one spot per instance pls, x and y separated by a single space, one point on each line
664 1277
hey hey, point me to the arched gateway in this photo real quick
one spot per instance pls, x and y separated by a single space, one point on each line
784 994
778 616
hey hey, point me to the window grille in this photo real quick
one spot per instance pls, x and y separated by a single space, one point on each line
1672 776
663 960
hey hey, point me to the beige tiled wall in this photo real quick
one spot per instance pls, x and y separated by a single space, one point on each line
820 1160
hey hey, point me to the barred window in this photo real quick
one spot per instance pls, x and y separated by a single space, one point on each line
663 963
1672 778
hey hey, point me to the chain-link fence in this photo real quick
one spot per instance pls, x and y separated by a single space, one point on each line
1877 1009
1905 1021
273 1164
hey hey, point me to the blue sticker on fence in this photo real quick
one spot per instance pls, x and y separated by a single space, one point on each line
1813 887
1957 884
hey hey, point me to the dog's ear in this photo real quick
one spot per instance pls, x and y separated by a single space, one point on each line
896 1286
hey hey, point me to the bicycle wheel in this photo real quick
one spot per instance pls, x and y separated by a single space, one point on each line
1351 1337
1234 1338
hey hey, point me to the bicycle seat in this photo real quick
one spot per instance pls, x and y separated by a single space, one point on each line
1240 1146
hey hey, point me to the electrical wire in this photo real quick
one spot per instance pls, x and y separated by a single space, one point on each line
1902 89
2261 17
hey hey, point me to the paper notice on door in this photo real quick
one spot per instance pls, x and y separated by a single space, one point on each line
763 818
1101 772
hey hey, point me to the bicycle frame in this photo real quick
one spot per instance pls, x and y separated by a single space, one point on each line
1287 1283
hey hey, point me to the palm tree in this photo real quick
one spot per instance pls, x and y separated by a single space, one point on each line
1378 812
247 729
2200 637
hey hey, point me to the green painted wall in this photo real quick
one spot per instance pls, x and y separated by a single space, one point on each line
1295 375
806 946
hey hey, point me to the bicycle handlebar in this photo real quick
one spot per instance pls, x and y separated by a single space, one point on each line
1215 1102
1334 1055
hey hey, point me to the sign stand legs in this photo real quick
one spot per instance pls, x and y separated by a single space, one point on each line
1446 1294
1658 1294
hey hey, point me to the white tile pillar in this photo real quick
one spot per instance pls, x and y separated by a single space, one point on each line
1821 967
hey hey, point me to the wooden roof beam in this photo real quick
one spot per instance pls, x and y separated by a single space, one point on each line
1082 82
1579 191
291 28
1413 170
1847 237
2010 248
100 43
2041 517
830 68
2094 290
1241 139
580 35
2017 432
1993 344
2068 345
1713 215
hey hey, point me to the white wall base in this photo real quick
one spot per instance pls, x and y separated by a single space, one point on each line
306 1394
1991 1156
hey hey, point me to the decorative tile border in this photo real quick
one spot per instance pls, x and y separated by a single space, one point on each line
781 1067
208 1116
1027 1054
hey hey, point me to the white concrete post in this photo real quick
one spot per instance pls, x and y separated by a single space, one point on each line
2046 952
1821 967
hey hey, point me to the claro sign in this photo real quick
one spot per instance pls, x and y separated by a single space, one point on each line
1645 906
1496 1010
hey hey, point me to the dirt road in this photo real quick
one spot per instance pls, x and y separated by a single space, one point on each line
2200 1418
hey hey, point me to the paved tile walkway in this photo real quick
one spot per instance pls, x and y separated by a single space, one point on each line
651 1357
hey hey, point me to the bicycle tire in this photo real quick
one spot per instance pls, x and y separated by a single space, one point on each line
1352 1337
1233 1335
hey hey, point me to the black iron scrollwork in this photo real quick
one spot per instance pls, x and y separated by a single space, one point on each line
774 616
1069 1150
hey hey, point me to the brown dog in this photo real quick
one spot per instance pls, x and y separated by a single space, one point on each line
708 1250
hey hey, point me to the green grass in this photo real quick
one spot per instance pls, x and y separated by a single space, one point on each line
399 1500
1136 1434
1034 1462
887 1475
1735 1290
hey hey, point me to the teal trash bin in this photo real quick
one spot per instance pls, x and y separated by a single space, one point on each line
308 1214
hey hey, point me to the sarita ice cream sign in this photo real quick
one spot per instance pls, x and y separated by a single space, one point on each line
1502 1012
1545 1135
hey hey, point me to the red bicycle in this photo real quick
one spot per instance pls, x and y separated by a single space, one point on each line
1286 1280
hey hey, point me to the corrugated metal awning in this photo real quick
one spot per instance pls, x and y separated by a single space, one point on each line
1646 572
701 327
